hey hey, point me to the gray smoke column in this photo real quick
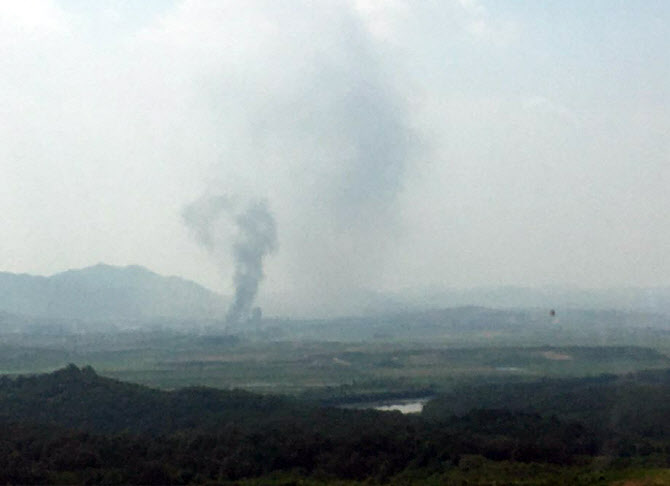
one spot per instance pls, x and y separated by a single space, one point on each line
255 238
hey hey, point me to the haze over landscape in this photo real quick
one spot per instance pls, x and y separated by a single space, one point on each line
335 242
397 145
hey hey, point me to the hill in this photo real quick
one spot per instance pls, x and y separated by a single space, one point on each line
472 324
105 292
81 399
74 427
369 302
654 300
634 405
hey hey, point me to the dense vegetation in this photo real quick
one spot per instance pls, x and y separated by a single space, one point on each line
73 426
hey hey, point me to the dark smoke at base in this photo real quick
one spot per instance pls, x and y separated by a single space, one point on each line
256 237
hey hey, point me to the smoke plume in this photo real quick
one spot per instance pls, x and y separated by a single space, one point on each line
255 237
329 140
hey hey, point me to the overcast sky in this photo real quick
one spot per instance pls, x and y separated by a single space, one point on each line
397 143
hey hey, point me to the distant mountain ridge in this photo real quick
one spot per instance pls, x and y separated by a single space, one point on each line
104 292
368 302
628 299
134 293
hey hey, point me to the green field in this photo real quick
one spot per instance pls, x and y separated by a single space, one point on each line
514 400
298 364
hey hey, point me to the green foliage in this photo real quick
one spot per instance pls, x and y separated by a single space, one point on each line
73 426
631 406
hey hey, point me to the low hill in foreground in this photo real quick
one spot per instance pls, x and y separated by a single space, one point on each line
73 426
81 399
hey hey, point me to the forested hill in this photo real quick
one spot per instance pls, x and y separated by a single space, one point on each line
74 427
107 292
80 398
631 405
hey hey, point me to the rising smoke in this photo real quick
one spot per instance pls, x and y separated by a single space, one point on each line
255 237
324 132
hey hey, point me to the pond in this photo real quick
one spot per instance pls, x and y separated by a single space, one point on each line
409 405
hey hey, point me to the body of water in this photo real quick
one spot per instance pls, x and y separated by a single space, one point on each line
410 405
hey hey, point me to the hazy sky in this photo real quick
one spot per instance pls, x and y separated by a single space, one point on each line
397 143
